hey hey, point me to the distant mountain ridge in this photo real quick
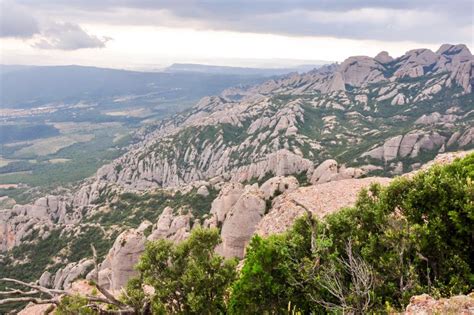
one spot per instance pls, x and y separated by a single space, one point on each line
29 86
189 67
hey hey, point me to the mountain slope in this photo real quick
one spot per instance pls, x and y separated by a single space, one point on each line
374 116
385 117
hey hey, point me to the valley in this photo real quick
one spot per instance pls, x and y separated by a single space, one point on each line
60 130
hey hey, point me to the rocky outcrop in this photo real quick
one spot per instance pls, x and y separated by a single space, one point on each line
330 170
426 305
118 266
241 221
226 199
64 277
238 209
414 62
383 57
410 144
172 225
18 224
360 71
280 163
278 185
320 199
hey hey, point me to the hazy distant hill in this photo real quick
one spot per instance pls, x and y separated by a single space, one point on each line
211 69
27 86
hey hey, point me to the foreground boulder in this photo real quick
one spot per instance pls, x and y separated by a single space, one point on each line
426 305
241 222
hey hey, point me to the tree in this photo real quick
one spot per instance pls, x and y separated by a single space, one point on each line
186 278
275 272
414 236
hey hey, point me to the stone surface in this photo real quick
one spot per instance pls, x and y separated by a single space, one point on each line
119 263
241 221
278 185
426 305
320 199
45 279
330 170
64 277
383 57
203 191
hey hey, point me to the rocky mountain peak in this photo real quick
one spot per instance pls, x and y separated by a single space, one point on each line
383 57
361 70
449 50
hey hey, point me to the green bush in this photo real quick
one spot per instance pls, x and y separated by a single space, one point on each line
189 278
414 236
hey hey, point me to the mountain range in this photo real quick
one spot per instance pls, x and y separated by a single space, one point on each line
243 161
189 67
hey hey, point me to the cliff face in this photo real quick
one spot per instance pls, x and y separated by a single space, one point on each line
364 117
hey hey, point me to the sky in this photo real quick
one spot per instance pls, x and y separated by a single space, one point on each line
151 34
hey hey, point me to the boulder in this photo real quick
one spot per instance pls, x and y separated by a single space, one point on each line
172 225
383 57
466 138
226 199
390 148
329 170
399 99
407 144
64 277
45 279
324 172
118 266
240 223
426 305
278 185
203 191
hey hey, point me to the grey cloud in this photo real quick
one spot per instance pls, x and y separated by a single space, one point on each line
68 36
448 20
15 21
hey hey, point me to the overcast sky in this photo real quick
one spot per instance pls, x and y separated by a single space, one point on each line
146 34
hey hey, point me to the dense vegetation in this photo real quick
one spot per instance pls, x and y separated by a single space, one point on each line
414 236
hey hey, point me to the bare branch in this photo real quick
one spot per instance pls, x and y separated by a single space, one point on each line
361 284
18 292
28 299
50 292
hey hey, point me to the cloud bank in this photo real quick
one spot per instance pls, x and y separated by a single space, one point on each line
388 20
18 22
68 36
